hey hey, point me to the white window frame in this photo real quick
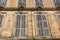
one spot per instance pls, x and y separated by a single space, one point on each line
22 28
40 3
57 14
3 20
22 2
44 36
56 3
3 1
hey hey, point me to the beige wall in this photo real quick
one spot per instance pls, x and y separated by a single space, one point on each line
47 3
8 25
30 3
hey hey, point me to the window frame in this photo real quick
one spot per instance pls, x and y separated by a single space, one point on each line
21 25
44 36
21 5
3 1
3 20
40 5
57 14
55 3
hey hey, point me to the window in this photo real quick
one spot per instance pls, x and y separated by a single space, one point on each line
58 19
21 22
41 20
1 17
57 3
21 3
58 16
39 3
3 3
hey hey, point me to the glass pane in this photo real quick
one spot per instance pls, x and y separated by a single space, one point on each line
1 18
57 3
39 3
20 25
24 0
43 17
39 24
40 0
22 32
22 3
3 3
38 17
23 17
17 32
19 4
36 0
42 25
19 0
40 32
18 21
23 24
58 17
45 25
46 32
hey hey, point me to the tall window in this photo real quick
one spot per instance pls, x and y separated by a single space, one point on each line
1 18
21 22
57 3
39 3
21 3
42 25
58 18
3 3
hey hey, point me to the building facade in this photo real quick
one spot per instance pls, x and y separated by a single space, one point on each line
22 24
